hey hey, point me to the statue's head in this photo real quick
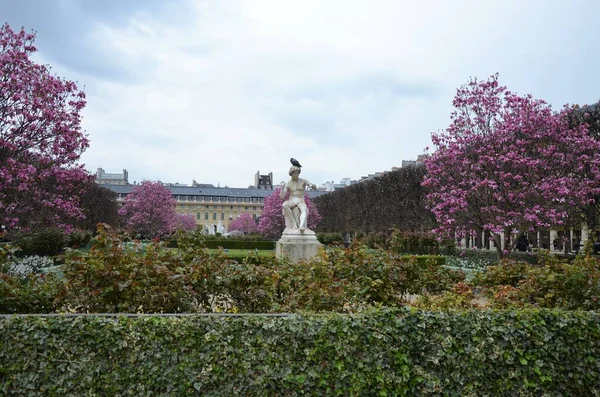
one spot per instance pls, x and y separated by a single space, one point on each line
294 171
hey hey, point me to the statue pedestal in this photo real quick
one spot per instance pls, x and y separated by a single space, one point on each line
296 245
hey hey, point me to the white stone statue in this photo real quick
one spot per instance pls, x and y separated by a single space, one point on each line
295 210
221 229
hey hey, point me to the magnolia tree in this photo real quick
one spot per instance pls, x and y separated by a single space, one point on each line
507 163
272 223
40 139
149 209
185 222
589 212
245 223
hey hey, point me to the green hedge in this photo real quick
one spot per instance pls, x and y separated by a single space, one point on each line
377 353
427 259
240 244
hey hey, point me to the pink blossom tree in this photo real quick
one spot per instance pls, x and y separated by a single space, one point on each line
245 223
272 223
185 222
40 139
149 209
507 163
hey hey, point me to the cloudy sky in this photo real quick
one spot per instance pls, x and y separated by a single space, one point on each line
218 90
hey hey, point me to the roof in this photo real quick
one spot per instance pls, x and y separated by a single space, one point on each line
214 191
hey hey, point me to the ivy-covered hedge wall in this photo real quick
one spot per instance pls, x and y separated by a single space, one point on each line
401 352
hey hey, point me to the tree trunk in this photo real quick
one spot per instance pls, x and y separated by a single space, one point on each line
498 243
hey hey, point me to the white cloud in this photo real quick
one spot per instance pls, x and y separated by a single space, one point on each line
347 87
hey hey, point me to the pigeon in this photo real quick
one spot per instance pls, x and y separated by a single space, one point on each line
295 162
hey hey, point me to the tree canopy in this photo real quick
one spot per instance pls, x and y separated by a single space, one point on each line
40 139
244 223
149 209
508 163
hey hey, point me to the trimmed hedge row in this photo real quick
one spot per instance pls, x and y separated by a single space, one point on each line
240 244
388 352
427 259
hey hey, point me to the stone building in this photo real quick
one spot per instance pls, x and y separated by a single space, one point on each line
211 205
104 178
263 181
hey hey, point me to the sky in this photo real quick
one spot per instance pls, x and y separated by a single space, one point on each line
215 91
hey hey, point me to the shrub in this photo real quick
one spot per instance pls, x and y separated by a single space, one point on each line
44 242
386 352
330 238
78 239
131 277
506 273
112 278
376 240
554 284
461 296
418 243
240 244
33 293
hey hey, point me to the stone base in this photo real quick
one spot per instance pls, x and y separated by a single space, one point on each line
297 246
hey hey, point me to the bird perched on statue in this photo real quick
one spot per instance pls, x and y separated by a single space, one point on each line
295 162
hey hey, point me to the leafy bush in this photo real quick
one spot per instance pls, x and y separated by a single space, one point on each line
461 296
554 284
375 240
506 273
240 244
78 239
44 242
249 242
34 293
419 243
128 277
387 352
113 278
330 238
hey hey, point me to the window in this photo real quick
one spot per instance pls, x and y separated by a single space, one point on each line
246 208
231 207
246 199
214 216
206 216
198 216
254 216
222 216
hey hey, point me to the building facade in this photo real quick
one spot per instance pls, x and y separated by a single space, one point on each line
211 205
263 181
104 178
